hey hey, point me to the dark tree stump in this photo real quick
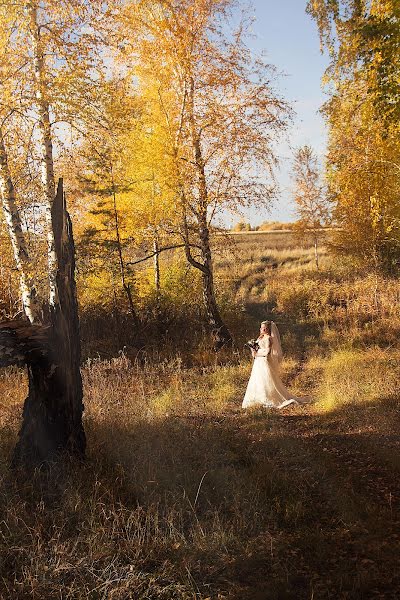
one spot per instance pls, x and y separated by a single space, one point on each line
52 415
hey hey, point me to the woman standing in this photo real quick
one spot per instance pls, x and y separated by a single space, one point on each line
265 387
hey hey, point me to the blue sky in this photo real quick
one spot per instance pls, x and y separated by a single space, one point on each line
290 40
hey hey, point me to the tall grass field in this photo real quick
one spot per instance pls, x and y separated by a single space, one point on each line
184 495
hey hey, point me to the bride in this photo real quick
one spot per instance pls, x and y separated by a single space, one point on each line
265 387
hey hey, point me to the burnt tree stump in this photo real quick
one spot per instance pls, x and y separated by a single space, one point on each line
52 416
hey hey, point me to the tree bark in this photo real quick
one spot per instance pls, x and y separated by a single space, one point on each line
218 328
122 267
156 264
52 416
18 242
316 252
47 162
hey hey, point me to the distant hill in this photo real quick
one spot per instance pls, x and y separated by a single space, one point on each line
274 226
265 226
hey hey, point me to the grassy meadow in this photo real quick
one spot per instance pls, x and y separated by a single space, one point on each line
185 496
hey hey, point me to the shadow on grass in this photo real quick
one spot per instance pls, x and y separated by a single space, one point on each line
254 505
289 492
180 501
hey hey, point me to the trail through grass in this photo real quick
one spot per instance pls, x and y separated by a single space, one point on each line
301 503
185 496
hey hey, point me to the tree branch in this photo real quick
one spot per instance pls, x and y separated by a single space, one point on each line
136 262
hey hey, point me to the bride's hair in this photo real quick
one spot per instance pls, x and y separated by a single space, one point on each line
268 326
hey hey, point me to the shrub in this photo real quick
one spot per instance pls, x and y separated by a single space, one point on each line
296 301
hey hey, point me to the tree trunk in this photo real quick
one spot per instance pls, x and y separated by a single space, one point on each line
47 163
156 263
52 416
122 267
18 242
156 258
218 328
316 252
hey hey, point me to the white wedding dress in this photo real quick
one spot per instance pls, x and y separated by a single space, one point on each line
265 387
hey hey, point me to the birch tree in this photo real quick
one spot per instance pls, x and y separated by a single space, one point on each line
42 92
10 90
221 113
12 217
312 206
55 53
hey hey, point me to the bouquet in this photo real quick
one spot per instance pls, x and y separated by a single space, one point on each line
252 345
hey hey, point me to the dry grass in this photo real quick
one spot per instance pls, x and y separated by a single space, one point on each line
163 505
183 496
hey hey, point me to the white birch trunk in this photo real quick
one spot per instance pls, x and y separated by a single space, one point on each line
47 163
13 220
156 264
156 258
316 252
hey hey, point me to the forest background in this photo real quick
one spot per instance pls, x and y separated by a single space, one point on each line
158 117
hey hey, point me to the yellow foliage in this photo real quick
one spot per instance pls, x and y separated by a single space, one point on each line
363 115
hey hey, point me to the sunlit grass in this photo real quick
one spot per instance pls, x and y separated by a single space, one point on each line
183 495
358 377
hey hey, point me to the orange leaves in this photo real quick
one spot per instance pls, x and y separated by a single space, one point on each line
363 118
